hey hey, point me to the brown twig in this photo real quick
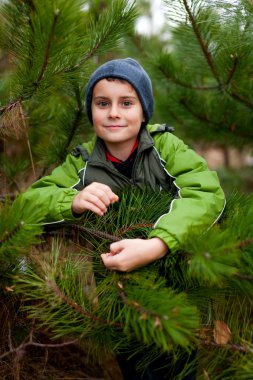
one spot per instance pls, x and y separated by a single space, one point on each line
23 119
87 230
123 230
28 341
24 345
46 55
230 346
75 124
93 231
186 85
205 119
246 277
232 71
197 115
244 243
71 303
241 99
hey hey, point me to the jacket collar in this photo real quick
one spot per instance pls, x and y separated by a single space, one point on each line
98 153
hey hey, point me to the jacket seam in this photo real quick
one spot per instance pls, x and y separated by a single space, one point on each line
219 216
54 222
172 202
171 176
84 169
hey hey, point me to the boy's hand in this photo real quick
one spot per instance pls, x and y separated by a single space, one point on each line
129 254
95 197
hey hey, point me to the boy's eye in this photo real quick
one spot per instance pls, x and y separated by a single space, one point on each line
102 103
127 103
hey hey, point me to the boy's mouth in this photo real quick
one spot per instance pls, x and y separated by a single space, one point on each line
112 126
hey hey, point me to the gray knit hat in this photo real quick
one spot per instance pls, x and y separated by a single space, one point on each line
129 70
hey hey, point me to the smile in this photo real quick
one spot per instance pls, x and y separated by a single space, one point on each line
114 126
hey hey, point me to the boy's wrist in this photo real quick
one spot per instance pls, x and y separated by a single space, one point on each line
160 248
76 214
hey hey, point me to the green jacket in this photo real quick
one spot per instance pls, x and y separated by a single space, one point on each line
162 161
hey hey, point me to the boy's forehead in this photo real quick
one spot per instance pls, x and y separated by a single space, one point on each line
109 83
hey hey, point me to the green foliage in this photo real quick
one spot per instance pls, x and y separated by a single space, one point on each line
13 173
19 229
52 46
202 70
174 302
117 310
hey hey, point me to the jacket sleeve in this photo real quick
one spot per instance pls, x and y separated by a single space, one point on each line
54 193
200 199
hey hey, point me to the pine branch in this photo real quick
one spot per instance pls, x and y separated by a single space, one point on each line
8 235
47 49
241 99
209 58
144 313
73 305
186 85
93 232
128 304
202 43
232 71
18 231
107 30
123 11
75 124
43 67
105 235
204 118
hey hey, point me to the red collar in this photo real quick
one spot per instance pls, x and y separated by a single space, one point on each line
112 158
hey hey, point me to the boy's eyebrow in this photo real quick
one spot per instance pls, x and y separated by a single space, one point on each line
121 97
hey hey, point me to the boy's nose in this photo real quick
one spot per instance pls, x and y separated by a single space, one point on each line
114 111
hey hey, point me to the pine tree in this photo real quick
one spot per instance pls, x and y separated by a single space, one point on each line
51 47
204 68
199 298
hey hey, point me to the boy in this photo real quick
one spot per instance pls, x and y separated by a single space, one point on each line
126 151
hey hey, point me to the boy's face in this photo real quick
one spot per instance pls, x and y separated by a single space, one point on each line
117 113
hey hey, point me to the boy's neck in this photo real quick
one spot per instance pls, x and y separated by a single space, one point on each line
121 151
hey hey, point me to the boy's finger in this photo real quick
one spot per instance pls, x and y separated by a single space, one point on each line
105 192
109 261
94 208
116 248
